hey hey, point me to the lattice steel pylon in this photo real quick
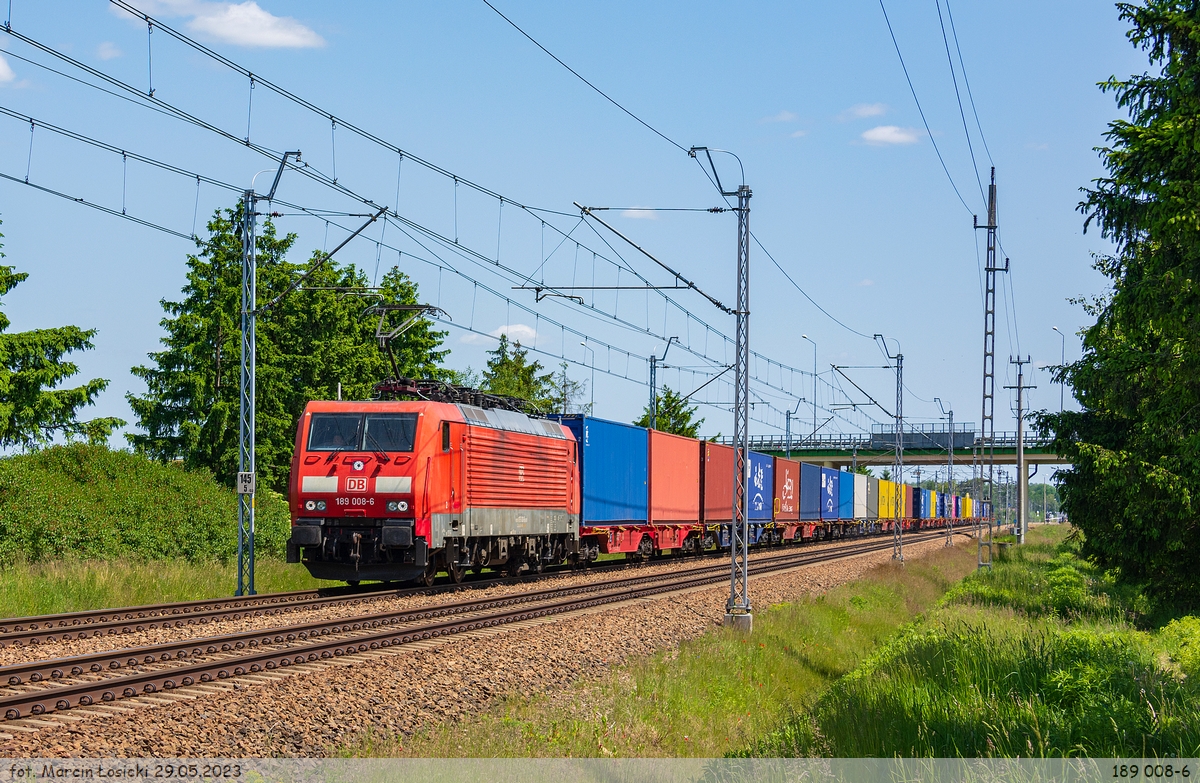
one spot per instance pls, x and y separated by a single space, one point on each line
245 547
987 425
737 610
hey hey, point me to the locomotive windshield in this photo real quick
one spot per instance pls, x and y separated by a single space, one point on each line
362 432
390 431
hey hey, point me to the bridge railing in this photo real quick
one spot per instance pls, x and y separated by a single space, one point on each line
916 439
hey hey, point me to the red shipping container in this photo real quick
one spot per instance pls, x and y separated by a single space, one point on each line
674 478
908 503
718 482
787 490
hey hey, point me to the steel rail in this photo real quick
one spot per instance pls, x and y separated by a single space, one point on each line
39 702
92 623
109 660
109 622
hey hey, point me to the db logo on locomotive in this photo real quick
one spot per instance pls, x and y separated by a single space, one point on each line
356 484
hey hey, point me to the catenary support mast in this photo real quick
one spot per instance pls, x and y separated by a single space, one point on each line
986 453
737 611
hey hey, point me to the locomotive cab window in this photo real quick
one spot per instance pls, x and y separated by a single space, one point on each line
334 431
390 431
445 436
362 432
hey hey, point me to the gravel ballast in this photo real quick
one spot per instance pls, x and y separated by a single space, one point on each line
312 712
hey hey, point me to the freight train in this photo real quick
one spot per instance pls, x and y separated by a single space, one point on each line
402 490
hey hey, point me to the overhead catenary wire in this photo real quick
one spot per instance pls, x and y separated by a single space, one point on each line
958 98
920 110
307 169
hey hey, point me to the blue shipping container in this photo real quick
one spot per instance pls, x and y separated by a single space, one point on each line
810 491
760 488
941 509
829 493
846 496
918 503
613 470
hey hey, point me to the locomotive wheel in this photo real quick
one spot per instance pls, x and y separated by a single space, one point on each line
428 575
456 572
512 567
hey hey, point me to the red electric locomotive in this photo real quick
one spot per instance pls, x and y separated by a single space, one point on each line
400 490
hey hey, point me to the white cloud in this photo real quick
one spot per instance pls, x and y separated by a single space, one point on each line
783 116
6 73
639 214
108 51
866 282
245 24
242 24
517 333
884 135
799 134
860 110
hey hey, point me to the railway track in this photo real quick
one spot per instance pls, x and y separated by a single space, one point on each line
42 687
46 629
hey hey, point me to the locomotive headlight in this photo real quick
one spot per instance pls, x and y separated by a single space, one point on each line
310 505
320 505
397 505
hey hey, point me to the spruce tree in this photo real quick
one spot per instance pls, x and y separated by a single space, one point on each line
1134 482
510 373
311 341
674 415
33 409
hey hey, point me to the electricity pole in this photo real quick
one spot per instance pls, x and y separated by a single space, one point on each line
247 479
737 611
949 467
987 427
654 360
1062 360
1022 469
898 464
814 397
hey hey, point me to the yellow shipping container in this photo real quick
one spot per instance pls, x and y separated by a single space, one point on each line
968 507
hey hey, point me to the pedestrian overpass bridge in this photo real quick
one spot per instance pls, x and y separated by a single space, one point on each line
923 445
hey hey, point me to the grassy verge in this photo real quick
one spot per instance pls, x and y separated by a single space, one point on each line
1039 657
75 585
713 693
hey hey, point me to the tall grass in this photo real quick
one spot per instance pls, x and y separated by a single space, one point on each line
88 502
1039 657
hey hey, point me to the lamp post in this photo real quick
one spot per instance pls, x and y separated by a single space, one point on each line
1062 359
592 404
814 397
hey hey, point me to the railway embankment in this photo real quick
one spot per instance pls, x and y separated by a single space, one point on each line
700 690
386 698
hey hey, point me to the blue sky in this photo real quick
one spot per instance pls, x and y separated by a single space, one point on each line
849 196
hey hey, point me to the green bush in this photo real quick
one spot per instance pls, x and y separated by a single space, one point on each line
89 502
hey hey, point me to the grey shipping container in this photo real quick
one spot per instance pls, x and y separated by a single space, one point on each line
872 497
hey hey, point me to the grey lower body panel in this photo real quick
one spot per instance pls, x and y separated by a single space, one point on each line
502 522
